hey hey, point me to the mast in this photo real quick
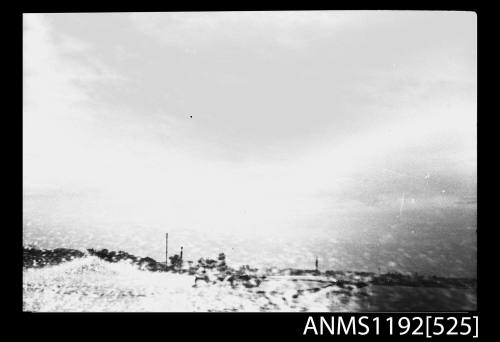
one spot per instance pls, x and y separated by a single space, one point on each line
166 249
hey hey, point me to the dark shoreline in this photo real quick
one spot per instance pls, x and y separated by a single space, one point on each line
250 277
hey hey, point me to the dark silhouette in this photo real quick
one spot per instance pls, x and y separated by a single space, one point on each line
176 261
249 277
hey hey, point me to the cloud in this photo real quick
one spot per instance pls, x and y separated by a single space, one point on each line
242 29
59 113
272 145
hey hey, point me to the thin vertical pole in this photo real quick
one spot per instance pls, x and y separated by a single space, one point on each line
166 249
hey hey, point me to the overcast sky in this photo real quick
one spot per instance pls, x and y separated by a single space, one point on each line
295 115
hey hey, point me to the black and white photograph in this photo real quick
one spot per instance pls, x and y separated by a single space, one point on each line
249 161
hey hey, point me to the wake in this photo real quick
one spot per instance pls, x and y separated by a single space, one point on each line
92 284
